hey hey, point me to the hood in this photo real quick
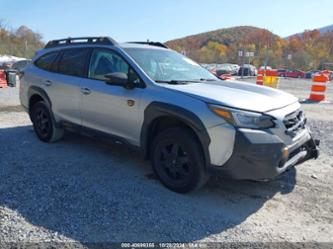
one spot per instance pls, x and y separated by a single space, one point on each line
236 94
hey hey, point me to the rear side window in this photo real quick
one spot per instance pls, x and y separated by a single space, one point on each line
73 62
45 61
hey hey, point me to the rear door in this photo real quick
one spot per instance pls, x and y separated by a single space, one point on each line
64 88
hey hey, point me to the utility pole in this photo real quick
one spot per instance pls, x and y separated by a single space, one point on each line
269 44
289 58
25 48
240 55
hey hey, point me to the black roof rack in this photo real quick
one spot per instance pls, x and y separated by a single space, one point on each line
81 40
157 44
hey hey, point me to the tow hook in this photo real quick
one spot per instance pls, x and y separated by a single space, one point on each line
317 142
314 148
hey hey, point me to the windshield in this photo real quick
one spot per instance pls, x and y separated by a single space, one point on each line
168 65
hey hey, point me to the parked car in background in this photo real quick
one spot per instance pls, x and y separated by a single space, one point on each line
281 72
6 65
20 65
219 69
234 68
252 68
309 74
265 68
292 73
247 70
209 67
223 69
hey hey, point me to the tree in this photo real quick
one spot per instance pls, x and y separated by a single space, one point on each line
309 49
22 42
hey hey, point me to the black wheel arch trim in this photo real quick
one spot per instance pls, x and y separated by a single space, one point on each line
157 110
35 90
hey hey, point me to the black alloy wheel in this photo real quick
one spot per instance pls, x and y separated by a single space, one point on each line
177 160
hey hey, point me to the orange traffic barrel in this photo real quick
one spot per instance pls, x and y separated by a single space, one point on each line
271 78
3 79
268 78
272 73
326 73
260 77
318 87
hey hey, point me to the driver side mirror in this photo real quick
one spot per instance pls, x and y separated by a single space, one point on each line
119 79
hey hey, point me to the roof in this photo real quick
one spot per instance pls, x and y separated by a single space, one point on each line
100 41
136 45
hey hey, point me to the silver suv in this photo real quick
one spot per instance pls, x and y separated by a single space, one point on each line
188 122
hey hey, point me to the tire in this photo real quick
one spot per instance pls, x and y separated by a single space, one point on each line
177 160
44 125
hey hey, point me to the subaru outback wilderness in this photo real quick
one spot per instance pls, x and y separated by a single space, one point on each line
188 122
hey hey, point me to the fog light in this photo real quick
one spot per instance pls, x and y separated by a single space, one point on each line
285 153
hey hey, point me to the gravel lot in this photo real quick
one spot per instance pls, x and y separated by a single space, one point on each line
83 190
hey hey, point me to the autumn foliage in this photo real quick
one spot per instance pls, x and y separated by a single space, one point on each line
21 42
308 50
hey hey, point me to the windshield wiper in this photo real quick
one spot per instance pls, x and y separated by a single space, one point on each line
175 82
208 79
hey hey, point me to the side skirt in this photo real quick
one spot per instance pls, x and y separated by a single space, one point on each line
99 135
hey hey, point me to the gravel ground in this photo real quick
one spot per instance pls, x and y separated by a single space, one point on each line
83 190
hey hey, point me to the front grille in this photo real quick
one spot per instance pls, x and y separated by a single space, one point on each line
294 122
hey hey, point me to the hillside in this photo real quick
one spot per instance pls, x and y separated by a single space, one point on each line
222 45
308 50
225 36
322 30
326 29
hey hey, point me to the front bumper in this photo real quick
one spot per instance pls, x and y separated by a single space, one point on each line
261 155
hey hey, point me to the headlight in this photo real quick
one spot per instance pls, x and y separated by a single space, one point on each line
243 119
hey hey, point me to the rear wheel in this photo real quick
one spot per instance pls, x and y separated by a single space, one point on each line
177 160
44 126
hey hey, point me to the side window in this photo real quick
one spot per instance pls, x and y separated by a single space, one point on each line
73 62
45 61
104 61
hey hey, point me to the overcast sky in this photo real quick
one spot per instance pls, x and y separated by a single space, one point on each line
162 20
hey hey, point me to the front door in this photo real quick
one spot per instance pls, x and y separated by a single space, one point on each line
111 108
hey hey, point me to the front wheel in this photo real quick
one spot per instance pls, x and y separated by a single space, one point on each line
44 126
177 160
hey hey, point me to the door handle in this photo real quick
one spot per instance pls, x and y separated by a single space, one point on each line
85 90
47 83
